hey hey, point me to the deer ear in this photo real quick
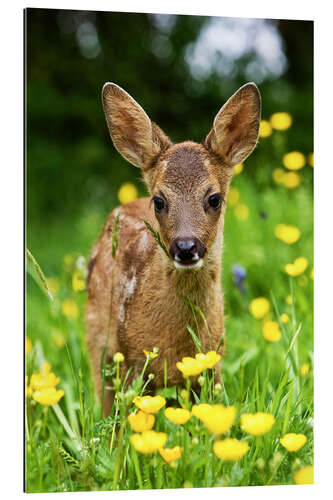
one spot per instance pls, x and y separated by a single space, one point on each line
236 126
136 138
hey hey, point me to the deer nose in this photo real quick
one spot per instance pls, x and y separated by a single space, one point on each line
187 249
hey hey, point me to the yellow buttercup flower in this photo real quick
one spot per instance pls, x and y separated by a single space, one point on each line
238 168
257 424
312 274
287 234
48 396
293 442
241 211
305 475
78 281
201 410
297 267
127 192
69 260
46 367
141 421
70 309
28 345
150 354
278 175
28 388
259 307
294 160
304 369
291 180
171 454
281 121
289 300
40 381
210 359
217 418
149 404
58 339
310 159
230 449
148 441
233 196
177 415
265 129
271 331
190 366
118 357
284 318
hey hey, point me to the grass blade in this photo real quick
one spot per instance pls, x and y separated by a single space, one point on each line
157 238
194 338
37 274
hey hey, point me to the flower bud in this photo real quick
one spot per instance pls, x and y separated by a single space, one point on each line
129 396
151 376
201 380
260 463
296 464
184 394
118 357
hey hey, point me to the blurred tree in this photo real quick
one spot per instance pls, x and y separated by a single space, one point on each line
71 164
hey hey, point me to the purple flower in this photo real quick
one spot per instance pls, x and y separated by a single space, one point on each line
239 273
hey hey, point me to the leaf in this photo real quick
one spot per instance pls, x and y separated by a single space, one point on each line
168 392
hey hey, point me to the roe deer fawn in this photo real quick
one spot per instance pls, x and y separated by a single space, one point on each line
135 298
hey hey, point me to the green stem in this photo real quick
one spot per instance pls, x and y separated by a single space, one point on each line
62 419
26 423
206 485
137 467
114 426
275 470
119 456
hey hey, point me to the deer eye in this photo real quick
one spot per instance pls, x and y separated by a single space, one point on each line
215 200
158 203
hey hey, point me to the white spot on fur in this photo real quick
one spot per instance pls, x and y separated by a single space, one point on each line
130 286
143 242
121 313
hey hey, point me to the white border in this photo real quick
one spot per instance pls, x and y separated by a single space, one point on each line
12 241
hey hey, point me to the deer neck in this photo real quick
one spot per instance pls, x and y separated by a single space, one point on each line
201 286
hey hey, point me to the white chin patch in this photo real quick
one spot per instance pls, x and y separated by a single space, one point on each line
184 267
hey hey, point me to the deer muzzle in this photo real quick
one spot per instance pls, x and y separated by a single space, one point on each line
187 252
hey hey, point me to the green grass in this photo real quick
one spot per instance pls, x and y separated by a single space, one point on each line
68 446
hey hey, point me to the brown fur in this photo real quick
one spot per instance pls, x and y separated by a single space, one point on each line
141 286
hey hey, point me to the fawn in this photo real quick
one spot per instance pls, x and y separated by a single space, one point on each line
136 297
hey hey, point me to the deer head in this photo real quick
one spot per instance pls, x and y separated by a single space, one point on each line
188 182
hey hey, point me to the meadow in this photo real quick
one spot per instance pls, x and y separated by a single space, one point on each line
256 427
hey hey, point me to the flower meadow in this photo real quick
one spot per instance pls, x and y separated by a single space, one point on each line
255 425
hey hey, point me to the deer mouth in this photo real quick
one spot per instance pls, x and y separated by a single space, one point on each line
195 263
